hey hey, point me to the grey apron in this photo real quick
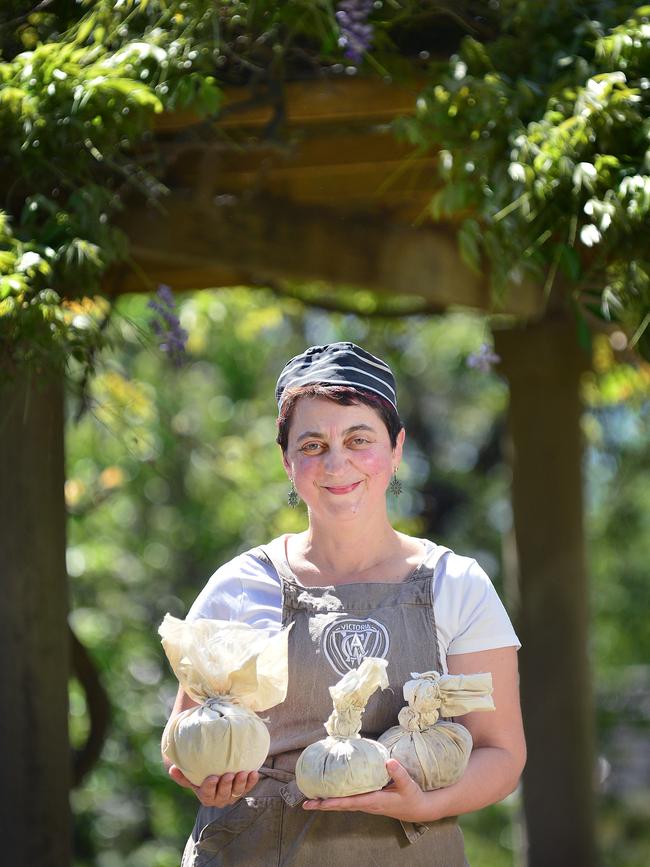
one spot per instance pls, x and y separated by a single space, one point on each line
334 629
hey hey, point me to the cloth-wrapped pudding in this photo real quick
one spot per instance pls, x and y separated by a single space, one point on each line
435 752
232 670
345 763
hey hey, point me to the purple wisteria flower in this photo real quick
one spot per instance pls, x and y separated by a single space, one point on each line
166 327
356 31
484 359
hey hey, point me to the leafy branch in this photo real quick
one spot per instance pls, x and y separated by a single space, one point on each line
544 154
78 94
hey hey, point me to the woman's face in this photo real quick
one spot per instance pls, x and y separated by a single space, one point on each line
340 457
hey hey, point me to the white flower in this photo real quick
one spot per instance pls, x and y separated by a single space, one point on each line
81 321
517 172
631 184
600 212
583 175
460 70
27 261
143 50
589 235
598 87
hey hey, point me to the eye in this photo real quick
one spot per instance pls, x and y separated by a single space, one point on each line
311 448
360 441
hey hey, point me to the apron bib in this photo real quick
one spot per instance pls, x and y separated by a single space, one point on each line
333 630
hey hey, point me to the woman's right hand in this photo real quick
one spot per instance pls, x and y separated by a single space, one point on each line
217 791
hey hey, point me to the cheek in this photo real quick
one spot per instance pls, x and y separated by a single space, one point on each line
304 466
374 462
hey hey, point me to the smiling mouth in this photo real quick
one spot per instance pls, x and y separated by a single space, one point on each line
343 489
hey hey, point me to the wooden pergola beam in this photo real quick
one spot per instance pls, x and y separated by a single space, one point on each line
352 171
327 100
337 199
193 245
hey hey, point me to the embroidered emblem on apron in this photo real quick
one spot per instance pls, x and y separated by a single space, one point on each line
346 643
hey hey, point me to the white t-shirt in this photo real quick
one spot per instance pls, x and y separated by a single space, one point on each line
468 612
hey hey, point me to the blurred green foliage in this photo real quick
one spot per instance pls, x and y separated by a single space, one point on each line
541 122
542 138
173 471
80 84
74 104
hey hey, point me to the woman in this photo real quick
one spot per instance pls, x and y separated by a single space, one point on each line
385 594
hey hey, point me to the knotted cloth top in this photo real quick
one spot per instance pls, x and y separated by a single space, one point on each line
432 695
227 660
350 696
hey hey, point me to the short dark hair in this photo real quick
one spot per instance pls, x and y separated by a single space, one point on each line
343 394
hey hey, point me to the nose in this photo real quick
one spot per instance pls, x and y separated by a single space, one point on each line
334 462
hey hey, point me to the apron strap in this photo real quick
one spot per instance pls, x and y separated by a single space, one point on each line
273 553
432 558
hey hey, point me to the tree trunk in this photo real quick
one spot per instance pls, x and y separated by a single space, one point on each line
34 643
543 364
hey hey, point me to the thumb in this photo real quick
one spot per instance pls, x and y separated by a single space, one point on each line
399 775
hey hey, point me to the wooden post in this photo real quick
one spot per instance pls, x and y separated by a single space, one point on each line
543 364
34 644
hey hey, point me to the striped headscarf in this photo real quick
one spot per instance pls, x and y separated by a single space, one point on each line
338 364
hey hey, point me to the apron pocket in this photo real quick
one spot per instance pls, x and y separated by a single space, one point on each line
252 822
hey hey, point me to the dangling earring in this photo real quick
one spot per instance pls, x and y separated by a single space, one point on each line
395 486
293 499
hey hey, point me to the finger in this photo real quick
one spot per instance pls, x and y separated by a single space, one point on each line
224 789
239 784
207 791
252 781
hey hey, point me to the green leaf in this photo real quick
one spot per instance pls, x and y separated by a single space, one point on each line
7 307
85 28
141 93
16 100
569 261
211 96
80 253
7 261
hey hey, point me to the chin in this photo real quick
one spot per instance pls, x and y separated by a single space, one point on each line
348 510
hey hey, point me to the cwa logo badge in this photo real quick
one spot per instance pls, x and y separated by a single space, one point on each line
346 643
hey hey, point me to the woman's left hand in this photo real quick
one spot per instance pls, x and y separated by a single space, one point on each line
402 799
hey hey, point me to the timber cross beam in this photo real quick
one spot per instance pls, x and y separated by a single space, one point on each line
336 198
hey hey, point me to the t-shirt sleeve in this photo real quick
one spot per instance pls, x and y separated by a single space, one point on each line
472 617
221 597
246 590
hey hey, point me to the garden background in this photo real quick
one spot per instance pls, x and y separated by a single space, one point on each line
464 188
173 471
